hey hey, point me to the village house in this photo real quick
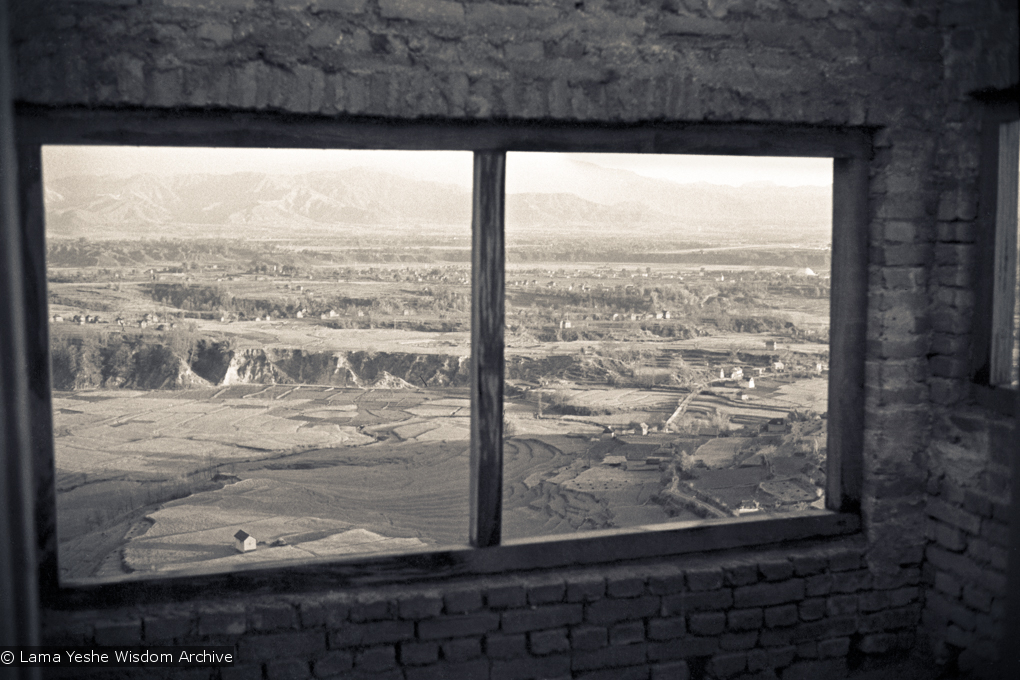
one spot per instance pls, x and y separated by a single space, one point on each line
244 542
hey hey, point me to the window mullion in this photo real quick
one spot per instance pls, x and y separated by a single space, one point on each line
487 348
1003 304
848 323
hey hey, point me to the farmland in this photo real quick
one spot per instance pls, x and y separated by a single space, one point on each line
344 431
312 391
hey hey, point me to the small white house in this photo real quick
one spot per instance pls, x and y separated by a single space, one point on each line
243 541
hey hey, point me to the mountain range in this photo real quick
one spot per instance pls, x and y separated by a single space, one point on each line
570 193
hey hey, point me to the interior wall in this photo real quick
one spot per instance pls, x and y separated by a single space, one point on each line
903 69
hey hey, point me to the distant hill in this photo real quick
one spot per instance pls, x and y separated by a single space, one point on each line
248 204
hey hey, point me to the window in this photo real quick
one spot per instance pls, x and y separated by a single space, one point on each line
848 149
996 311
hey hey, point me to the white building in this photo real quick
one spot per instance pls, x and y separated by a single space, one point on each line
243 541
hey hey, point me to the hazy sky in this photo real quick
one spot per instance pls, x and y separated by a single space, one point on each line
442 166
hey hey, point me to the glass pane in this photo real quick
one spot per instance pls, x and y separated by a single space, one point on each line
667 339
257 355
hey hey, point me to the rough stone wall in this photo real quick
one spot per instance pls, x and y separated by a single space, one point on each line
903 68
968 456
804 613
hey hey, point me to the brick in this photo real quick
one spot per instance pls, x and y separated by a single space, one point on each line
547 593
851 581
332 663
438 11
420 607
763 594
340 6
460 626
374 659
780 657
669 24
776 570
740 574
807 650
639 672
977 597
704 579
784 614
958 517
281 645
627 633
695 602
589 637
729 664
625 587
287 669
527 668
667 628
996 533
586 590
812 670
373 633
964 567
834 647
977 503
948 584
824 628
462 601
372 610
818 585
166 628
757 660
490 14
611 611
328 613
838 605
505 597
418 653
477 669
808 565
228 622
607 657
901 617
732 641
665 584
552 616
461 649
877 643
114 633
711 623
673 670
844 561
499 646
220 34
745 619
686 648
949 537
548 641
242 672
274 616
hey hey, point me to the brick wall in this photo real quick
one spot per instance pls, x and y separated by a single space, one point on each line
805 612
902 68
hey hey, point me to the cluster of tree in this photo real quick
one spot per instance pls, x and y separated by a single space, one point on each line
96 361
600 250
132 253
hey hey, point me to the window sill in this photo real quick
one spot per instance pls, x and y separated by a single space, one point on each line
557 551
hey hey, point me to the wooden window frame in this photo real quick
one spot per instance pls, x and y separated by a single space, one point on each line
850 149
996 252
